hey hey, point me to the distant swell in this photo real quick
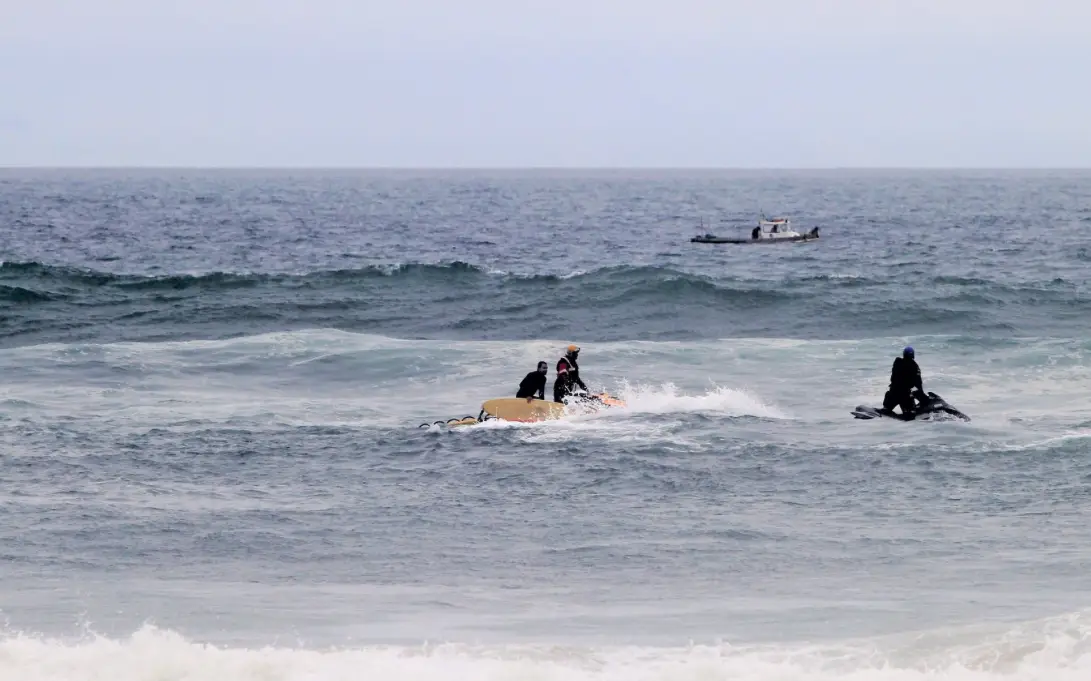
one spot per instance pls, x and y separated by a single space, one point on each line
18 294
457 299
83 277
644 279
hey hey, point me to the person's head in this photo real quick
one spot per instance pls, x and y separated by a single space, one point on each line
908 353
572 351
543 368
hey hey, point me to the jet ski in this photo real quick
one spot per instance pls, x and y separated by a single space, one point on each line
930 407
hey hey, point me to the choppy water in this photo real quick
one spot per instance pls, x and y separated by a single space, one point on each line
212 384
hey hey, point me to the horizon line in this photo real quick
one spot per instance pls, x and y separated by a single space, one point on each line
506 168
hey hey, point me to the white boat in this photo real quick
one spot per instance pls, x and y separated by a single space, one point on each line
777 228
767 231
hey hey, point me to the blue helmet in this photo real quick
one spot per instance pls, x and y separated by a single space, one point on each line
908 351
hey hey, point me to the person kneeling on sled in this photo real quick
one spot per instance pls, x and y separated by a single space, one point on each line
568 375
534 383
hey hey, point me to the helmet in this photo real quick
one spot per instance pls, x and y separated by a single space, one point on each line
573 349
908 351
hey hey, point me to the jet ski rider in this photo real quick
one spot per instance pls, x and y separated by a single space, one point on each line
905 375
534 383
568 375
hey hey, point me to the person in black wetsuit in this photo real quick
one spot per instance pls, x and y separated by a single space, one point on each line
534 383
905 375
568 375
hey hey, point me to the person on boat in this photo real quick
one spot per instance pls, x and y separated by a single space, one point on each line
756 233
905 376
534 383
568 375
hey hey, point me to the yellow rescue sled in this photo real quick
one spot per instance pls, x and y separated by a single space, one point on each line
522 410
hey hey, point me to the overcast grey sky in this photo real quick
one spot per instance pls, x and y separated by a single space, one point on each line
632 83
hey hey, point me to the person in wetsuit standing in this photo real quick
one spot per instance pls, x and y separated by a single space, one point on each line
534 383
905 375
568 375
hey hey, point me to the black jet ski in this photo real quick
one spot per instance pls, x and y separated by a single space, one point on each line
929 408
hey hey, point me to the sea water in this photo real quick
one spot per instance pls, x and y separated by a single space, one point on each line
212 387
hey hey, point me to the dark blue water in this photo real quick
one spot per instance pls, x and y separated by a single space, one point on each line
155 256
212 383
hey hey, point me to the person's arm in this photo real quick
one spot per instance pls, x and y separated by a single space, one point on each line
579 381
541 387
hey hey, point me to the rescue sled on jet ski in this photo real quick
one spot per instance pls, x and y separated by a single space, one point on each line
932 407
521 410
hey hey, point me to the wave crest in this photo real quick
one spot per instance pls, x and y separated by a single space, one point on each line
1058 649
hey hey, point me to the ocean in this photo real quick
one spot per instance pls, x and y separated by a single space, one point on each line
214 385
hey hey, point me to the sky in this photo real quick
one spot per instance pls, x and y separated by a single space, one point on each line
528 83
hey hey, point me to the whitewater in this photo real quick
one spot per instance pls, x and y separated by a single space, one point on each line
214 385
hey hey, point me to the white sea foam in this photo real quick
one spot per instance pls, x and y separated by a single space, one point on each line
1016 393
1052 650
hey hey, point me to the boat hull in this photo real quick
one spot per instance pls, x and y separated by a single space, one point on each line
774 240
